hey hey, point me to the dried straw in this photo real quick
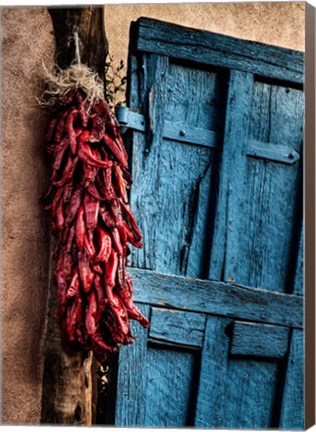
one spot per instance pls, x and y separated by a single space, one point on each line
75 77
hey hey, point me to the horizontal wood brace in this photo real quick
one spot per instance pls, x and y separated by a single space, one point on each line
218 298
213 49
177 327
206 138
260 340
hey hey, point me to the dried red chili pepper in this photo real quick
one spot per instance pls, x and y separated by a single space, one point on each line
93 223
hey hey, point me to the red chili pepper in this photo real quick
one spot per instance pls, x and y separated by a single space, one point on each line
74 284
92 223
73 206
84 152
91 208
132 220
89 246
86 275
69 128
80 229
115 150
68 172
105 243
120 182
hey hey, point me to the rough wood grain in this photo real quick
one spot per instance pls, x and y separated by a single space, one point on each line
224 259
173 179
89 23
145 162
67 385
132 379
292 412
249 395
67 389
213 375
169 387
182 328
272 201
260 340
205 214
217 297
210 48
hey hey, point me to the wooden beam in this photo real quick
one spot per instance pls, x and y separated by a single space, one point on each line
222 51
67 385
93 44
218 298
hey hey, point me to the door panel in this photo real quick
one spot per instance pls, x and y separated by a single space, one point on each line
170 385
217 168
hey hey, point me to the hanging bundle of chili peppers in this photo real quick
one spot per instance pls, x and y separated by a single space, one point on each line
93 223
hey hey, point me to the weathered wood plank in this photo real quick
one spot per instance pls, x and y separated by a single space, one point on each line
145 161
217 298
170 380
298 287
225 51
213 375
188 134
132 378
271 211
67 383
292 411
182 328
89 23
261 340
249 395
181 132
273 152
173 180
224 248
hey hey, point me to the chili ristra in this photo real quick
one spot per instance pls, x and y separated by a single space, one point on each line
93 224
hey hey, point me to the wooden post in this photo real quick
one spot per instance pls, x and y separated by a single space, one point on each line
67 384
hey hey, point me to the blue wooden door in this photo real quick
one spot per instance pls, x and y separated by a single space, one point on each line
216 156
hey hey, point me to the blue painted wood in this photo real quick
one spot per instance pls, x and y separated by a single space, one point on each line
218 298
177 327
170 381
214 212
260 340
273 152
225 243
131 393
173 179
187 134
225 51
213 374
272 198
292 412
299 268
250 391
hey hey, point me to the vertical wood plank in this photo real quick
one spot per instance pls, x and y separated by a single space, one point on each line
273 199
170 380
132 378
213 375
292 408
146 159
298 288
224 249
292 411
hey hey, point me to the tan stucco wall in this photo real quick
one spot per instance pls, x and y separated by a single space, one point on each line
26 42
272 23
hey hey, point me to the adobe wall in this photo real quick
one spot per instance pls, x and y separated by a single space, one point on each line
27 42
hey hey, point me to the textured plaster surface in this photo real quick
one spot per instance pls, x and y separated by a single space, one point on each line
26 41
274 23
